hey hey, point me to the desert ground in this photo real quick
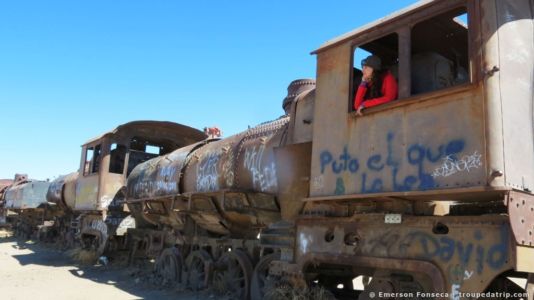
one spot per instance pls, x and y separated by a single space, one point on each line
29 270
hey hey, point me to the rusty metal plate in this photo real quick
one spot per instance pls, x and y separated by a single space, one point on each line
521 212
468 252
31 194
515 59
160 176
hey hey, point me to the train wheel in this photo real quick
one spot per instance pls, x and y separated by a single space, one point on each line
260 282
169 265
198 264
232 274
101 243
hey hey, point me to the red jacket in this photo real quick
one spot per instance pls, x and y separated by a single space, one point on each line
389 92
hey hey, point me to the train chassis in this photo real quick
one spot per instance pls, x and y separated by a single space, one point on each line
199 262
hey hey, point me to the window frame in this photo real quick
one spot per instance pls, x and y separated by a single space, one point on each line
111 159
90 170
403 29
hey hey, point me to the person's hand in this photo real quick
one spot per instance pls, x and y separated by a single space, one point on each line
359 111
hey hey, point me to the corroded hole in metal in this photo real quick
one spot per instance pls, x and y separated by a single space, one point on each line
329 236
440 228
351 239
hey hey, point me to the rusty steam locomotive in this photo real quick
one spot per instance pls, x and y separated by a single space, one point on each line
429 195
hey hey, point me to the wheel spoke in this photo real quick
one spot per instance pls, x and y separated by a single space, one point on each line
234 273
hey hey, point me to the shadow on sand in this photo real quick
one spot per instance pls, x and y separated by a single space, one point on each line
137 280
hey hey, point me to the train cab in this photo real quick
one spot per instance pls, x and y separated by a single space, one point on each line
406 186
462 119
107 160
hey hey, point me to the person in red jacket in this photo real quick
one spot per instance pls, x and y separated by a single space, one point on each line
377 87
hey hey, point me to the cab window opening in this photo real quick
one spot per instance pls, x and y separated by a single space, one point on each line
117 158
440 54
88 158
92 160
374 73
439 57
96 159
142 149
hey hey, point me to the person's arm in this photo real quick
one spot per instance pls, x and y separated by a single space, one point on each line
360 93
390 90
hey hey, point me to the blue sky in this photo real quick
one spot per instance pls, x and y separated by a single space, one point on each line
71 70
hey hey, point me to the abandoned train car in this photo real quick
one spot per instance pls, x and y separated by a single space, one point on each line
92 198
25 200
4 184
431 192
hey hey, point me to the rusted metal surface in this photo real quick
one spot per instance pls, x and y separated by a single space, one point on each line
92 200
20 178
515 36
415 188
468 253
217 195
301 125
521 212
62 190
296 88
96 190
179 133
493 109
242 161
26 195
4 183
261 283
433 141
199 266
170 265
161 176
406 265
234 213
209 172
474 194
26 200
232 275
396 20
398 149
228 184
293 163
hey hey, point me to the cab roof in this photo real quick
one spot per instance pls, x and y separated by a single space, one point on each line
350 35
179 131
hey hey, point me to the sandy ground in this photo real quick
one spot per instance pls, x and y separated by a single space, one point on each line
32 271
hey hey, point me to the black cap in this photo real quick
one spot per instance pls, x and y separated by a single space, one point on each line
372 61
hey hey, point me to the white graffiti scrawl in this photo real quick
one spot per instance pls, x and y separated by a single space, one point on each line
452 166
263 177
207 173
